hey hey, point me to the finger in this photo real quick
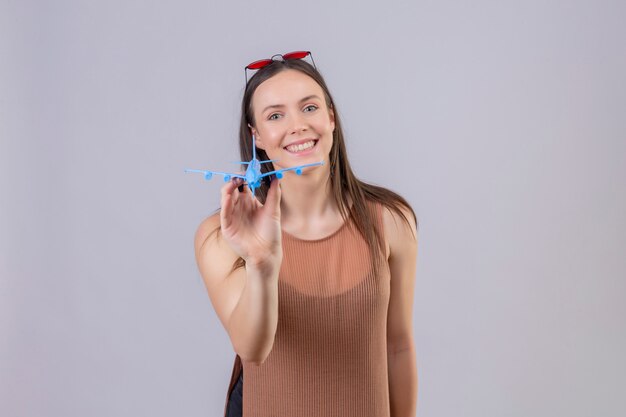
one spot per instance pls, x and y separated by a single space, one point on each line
243 188
230 186
236 192
227 203
272 202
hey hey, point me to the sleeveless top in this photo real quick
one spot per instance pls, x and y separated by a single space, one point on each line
329 357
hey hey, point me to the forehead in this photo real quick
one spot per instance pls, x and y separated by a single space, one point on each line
286 87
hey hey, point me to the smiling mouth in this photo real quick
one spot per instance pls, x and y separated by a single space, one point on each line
301 147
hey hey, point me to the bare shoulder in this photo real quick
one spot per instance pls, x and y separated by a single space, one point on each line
215 259
209 234
209 228
399 234
214 255
400 227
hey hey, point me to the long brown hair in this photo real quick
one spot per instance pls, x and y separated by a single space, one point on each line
345 185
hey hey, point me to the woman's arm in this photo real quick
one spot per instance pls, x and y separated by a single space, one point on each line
245 300
401 356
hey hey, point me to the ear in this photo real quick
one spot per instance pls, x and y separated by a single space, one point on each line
258 140
331 113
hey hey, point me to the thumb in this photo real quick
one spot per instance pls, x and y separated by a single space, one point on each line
272 202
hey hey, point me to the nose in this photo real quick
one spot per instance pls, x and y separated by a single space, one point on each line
298 123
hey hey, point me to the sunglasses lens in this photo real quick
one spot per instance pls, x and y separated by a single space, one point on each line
295 55
259 64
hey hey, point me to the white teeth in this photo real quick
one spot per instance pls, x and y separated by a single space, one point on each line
301 147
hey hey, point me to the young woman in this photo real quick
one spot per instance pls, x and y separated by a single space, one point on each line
313 279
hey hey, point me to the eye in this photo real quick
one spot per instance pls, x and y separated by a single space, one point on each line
273 116
313 107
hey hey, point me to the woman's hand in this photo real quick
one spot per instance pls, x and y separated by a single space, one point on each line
250 228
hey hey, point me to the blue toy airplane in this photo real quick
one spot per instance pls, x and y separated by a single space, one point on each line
253 174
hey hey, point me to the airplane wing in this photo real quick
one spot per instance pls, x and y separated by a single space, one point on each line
209 174
296 168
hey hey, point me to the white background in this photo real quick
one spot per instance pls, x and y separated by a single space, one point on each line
502 122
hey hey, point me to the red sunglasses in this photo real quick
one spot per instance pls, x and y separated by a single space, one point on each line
284 57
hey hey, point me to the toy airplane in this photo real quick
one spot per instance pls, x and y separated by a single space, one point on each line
253 174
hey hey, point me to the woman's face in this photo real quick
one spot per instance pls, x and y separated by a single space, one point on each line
293 123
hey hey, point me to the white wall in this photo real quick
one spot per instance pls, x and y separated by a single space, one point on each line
503 123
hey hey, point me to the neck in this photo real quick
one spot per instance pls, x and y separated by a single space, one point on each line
307 198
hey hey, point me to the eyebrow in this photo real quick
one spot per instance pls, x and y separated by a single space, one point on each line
279 106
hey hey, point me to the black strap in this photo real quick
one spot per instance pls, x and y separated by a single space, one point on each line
235 402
